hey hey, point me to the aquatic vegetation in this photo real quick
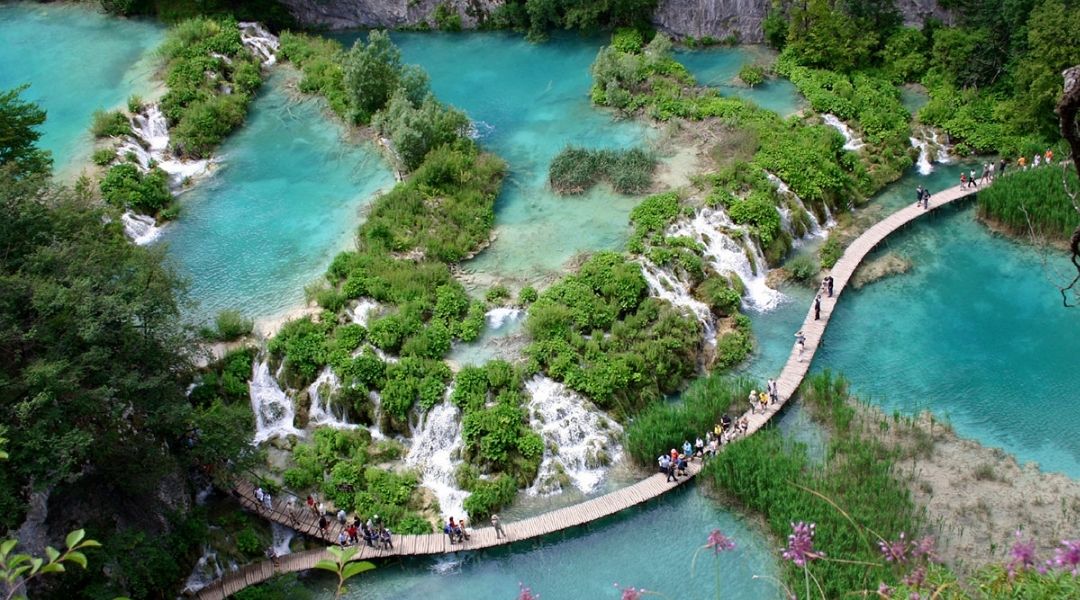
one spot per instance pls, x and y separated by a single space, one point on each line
1033 202
110 124
320 62
373 73
663 425
752 74
415 129
126 187
575 170
211 78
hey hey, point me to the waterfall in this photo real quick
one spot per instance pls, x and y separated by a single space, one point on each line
925 168
497 317
206 570
282 539
666 286
150 146
274 410
320 412
941 151
141 229
851 141
364 310
263 44
435 446
579 441
726 255
816 230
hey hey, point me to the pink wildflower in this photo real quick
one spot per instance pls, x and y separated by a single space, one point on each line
925 548
719 542
526 593
895 551
916 578
630 593
884 590
1022 556
800 548
1067 556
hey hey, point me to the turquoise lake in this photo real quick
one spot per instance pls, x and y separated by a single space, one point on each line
93 61
649 547
285 199
719 67
528 102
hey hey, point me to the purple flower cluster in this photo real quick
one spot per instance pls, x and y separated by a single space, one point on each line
1021 557
901 550
1067 556
719 542
895 551
800 548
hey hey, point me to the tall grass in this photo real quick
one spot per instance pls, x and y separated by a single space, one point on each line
575 170
853 497
1033 200
665 425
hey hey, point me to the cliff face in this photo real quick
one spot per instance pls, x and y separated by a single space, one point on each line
678 18
344 14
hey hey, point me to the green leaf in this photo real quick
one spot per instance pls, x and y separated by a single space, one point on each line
90 544
6 547
75 537
52 568
52 553
355 568
78 558
327 565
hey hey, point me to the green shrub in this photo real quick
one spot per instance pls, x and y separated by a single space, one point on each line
125 186
803 267
627 40
446 18
102 157
830 252
416 129
248 542
280 587
717 292
487 497
230 325
110 124
1033 200
303 345
752 74
527 295
575 170
497 294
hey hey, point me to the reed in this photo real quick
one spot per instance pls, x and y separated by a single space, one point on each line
1033 201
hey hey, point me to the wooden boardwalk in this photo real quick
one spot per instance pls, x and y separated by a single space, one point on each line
590 510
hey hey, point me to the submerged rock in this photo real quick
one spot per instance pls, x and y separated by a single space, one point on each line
880 268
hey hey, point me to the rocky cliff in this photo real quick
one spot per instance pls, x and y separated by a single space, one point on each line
678 18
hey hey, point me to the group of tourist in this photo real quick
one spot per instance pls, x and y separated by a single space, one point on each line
990 172
372 532
674 464
457 532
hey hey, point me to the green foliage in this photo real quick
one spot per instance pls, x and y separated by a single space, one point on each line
303 346
125 186
16 570
320 62
803 267
904 56
281 587
199 112
770 475
225 379
497 294
840 36
527 295
412 380
345 564
373 72
637 348
575 170
229 325
732 347
717 292
775 28
102 157
664 425
19 132
758 211
446 18
486 497
1033 201
627 40
654 214
110 124
752 74
830 252
416 130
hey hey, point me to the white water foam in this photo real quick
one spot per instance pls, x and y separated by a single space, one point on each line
726 255
363 311
140 229
206 570
150 146
282 537
274 410
923 162
320 413
434 445
941 151
497 317
664 285
586 440
263 44
851 141
816 230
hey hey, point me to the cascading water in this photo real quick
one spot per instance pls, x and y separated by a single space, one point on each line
274 410
263 44
149 145
816 230
206 570
727 255
435 443
141 229
941 151
496 318
282 537
364 310
851 141
666 286
579 441
923 162
321 413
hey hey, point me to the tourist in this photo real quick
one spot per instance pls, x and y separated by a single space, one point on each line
259 495
497 524
829 281
342 538
1049 156
963 180
990 171
293 511
665 466
354 537
763 399
800 341
387 541
752 399
681 465
699 448
687 448
985 173
817 307
324 525
321 508
674 455
1001 167
1035 161
369 536
919 195
714 446
272 555
1021 163
464 528
311 506
743 425
971 178
268 502
718 430
774 391
341 516
449 531
926 199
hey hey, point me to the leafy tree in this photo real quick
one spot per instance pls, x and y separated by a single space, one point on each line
372 74
125 186
19 123
415 130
